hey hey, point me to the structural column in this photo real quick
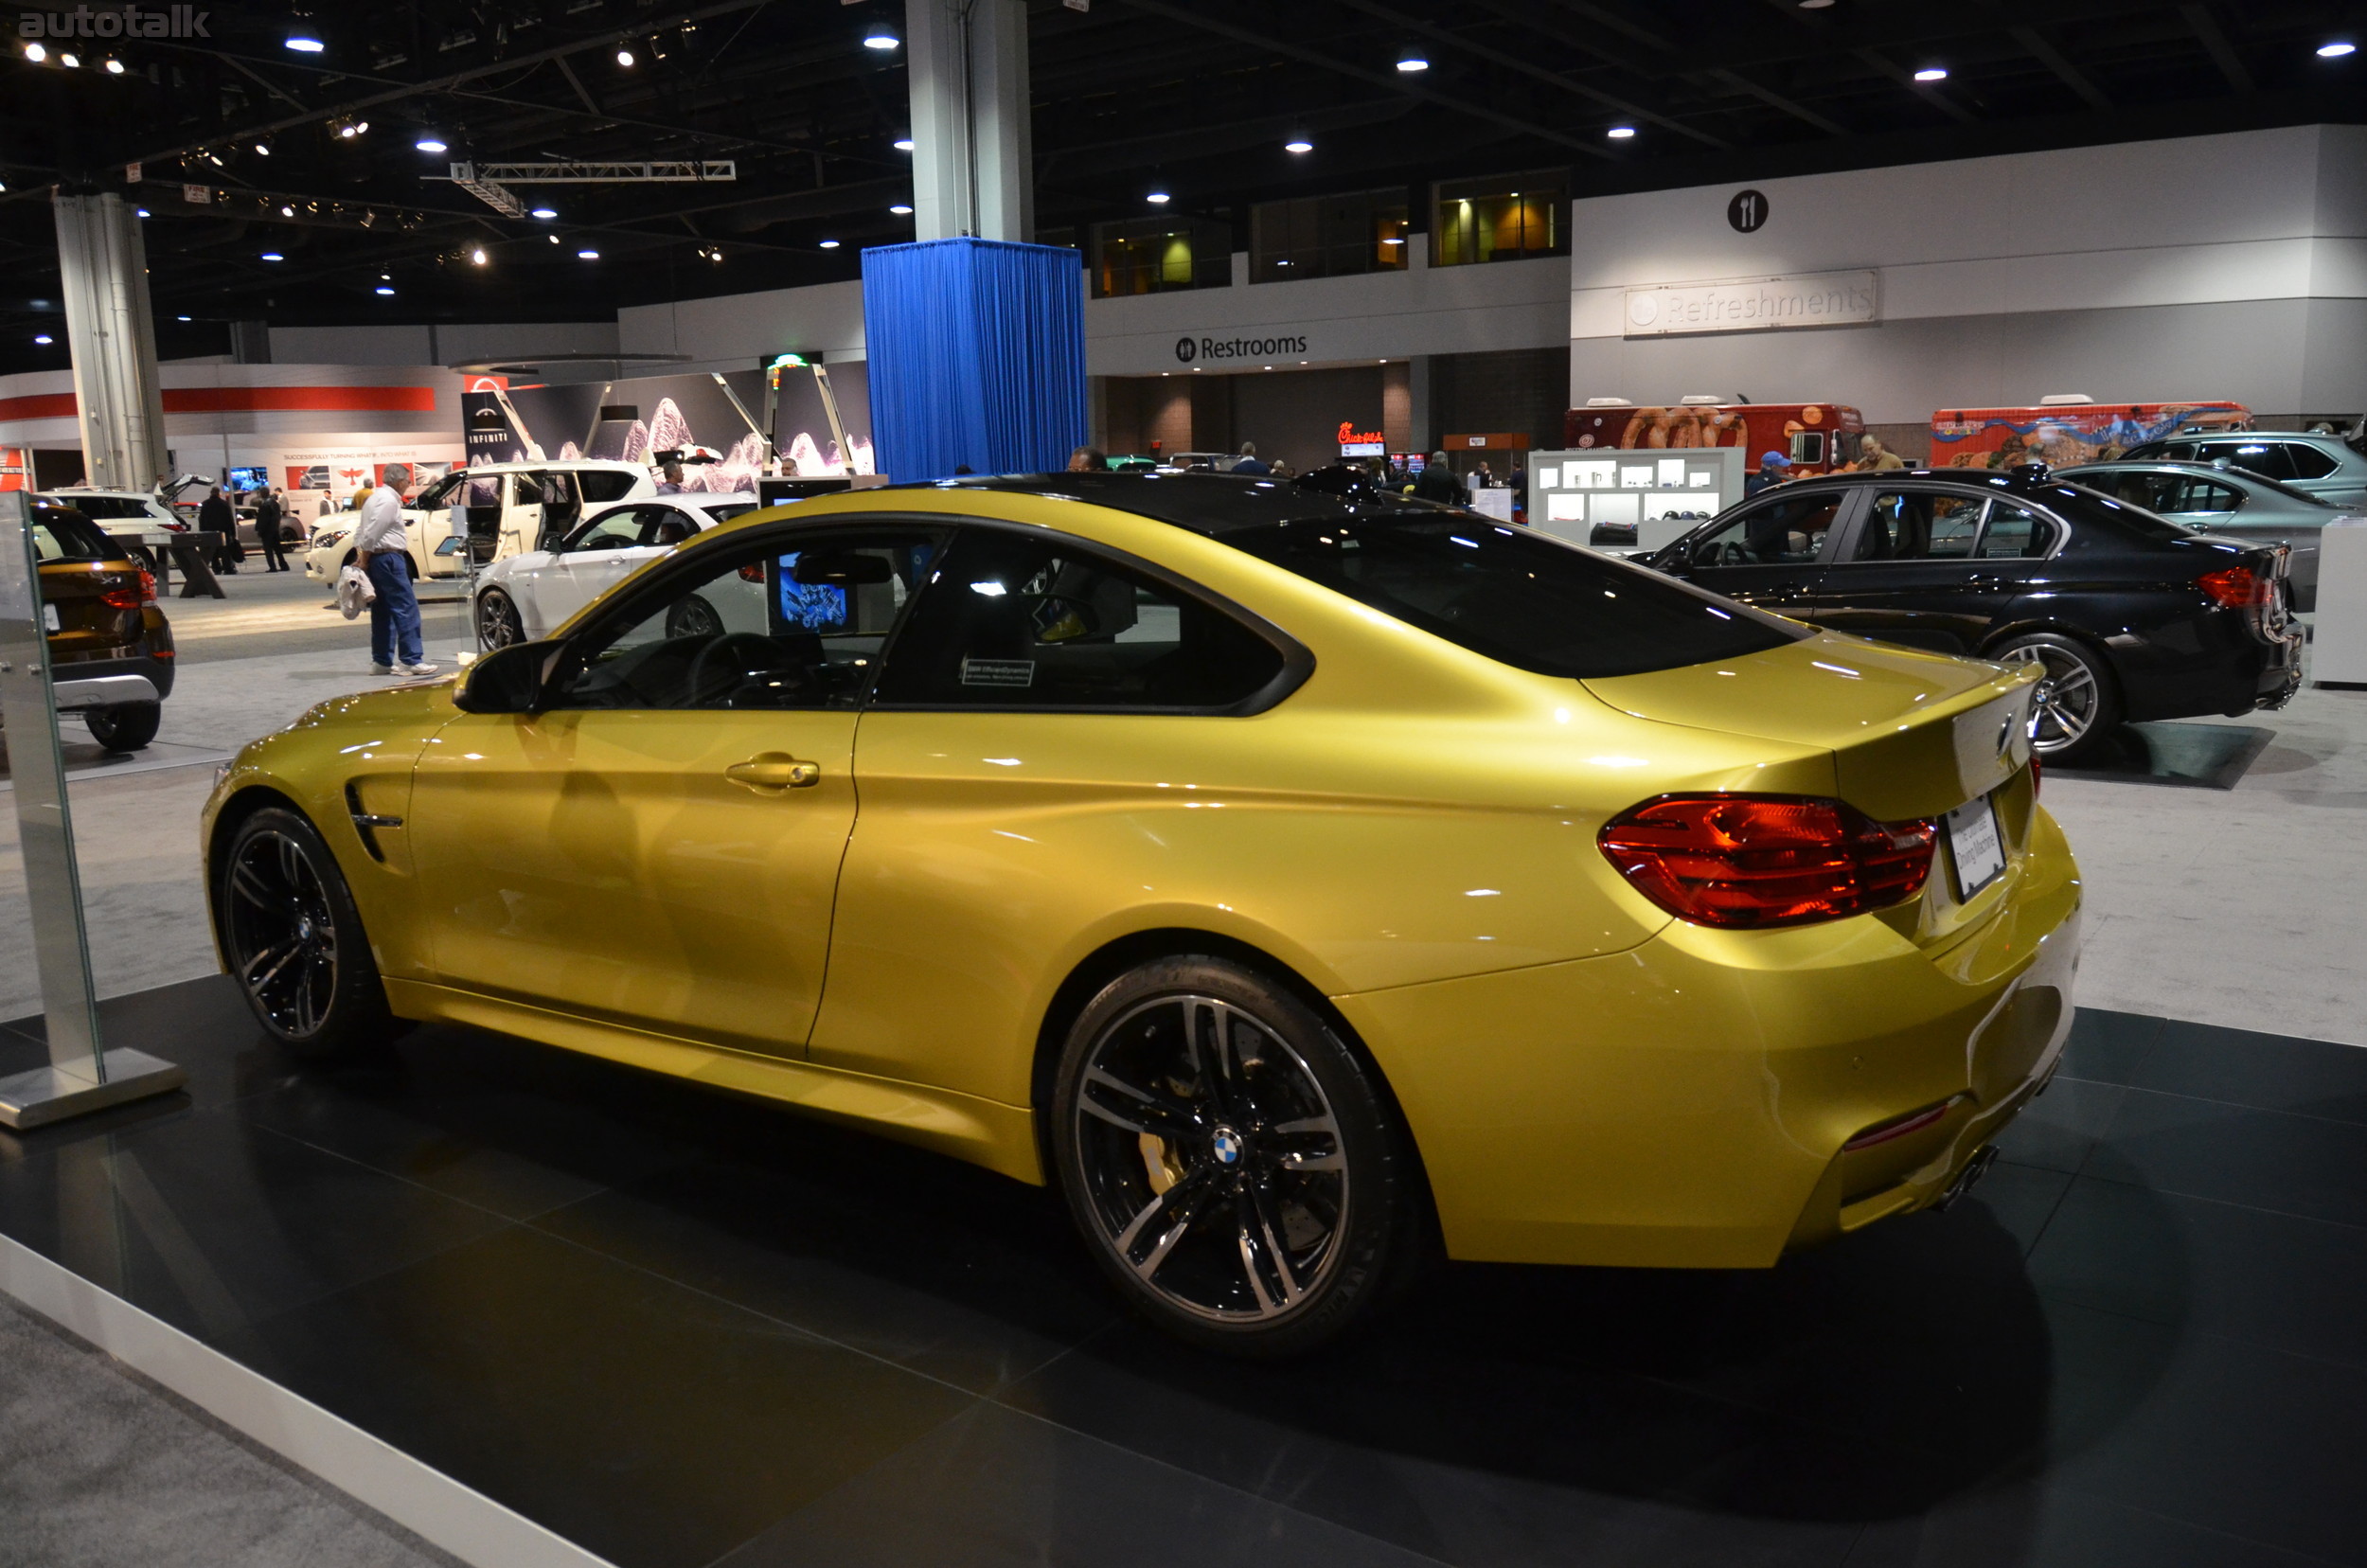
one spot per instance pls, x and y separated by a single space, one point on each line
966 66
112 335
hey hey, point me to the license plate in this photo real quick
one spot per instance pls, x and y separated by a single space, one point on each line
50 620
1975 847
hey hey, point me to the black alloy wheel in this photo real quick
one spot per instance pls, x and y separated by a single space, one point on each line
125 727
1231 1163
294 938
2078 702
693 617
498 624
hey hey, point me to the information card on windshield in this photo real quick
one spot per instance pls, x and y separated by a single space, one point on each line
1975 847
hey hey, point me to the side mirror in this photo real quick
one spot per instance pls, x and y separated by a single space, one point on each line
509 680
839 568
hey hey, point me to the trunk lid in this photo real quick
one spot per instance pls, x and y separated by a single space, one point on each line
1912 733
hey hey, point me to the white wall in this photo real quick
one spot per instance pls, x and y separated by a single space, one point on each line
444 344
734 332
2229 266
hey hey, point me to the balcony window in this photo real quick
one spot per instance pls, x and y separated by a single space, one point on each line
1328 235
1152 256
1501 219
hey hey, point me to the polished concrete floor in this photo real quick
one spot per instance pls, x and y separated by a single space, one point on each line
682 1329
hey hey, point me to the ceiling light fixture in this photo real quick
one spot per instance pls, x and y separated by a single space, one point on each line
624 55
901 210
1298 144
552 238
302 42
1621 132
36 53
141 211
115 66
1412 60
1158 198
2337 49
183 318
883 38
287 212
382 289
903 144
430 144
587 256
830 244
43 337
71 62
1932 73
546 214
476 256
272 256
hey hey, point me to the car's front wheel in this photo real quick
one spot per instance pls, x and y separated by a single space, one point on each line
125 727
1234 1167
294 938
498 624
2078 701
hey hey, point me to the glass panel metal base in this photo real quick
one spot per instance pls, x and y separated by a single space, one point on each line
53 1094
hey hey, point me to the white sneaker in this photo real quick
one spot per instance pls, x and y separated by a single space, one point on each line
381 669
419 669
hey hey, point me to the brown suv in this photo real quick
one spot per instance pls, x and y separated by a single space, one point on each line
110 649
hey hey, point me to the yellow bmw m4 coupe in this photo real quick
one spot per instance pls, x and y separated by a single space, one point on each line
1299 885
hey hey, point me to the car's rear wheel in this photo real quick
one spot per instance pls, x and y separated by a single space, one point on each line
293 937
1236 1167
693 617
2078 702
498 623
125 727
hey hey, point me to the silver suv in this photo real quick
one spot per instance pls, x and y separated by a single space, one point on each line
2328 467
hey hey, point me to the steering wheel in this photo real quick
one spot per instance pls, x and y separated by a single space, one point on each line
749 653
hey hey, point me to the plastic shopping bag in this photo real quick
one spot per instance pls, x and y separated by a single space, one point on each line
354 592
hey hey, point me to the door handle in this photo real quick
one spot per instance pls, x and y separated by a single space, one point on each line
774 773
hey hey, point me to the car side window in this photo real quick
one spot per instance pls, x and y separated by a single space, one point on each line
2266 458
2013 533
1017 620
761 626
618 531
2308 462
1911 525
666 525
1787 530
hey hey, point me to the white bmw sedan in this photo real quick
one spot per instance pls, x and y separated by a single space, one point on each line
521 596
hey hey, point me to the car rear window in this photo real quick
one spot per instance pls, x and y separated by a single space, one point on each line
63 535
1516 596
604 484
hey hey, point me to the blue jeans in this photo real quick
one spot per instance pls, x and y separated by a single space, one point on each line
394 614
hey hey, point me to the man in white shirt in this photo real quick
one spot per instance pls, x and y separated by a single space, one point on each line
379 545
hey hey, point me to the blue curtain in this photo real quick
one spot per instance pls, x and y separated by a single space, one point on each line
977 356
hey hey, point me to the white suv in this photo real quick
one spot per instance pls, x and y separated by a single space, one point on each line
505 508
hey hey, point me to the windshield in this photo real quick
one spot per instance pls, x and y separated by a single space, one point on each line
2077 501
438 493
725 514
63 535
605 485
1519 597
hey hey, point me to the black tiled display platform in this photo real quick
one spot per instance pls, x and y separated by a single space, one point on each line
683 1329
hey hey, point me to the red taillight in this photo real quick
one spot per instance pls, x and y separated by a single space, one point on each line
2236 587
129 597
1755 861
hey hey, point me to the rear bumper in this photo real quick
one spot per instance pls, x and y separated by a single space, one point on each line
2216 662
1687 1104
90 683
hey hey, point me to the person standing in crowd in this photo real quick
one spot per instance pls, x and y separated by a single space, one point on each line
378 541
1438 483
1775 468
671 484
1250 463
1876 457
1087 459
1483 477
1519 482
267 530
214 516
